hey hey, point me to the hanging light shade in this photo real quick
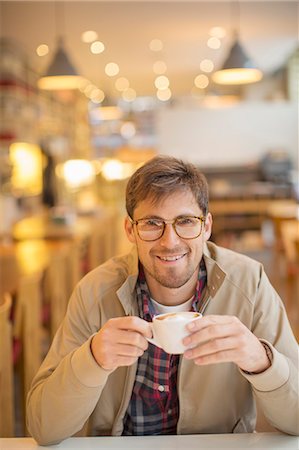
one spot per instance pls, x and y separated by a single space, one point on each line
61 74
107 110
237 68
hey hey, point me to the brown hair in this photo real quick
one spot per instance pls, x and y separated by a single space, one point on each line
164 175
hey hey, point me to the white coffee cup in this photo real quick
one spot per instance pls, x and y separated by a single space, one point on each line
169 330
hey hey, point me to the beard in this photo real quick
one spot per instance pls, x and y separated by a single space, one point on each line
170 277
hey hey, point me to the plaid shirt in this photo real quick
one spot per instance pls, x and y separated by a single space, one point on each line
154 404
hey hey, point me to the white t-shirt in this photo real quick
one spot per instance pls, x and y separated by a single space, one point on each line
162 309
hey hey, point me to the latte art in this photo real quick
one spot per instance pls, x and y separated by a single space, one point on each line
178 316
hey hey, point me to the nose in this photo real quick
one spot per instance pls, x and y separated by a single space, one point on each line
169 237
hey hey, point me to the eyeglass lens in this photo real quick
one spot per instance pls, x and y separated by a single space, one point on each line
185 227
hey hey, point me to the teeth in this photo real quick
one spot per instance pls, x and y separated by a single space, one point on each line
170 258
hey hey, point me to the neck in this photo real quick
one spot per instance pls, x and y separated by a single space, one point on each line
171 296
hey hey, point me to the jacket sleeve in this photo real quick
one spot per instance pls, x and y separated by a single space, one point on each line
276 389
69 382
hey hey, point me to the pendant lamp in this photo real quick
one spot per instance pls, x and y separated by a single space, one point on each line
107 110
237 67
61 74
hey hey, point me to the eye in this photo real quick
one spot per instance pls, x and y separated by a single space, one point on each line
186 221
150 224
153 222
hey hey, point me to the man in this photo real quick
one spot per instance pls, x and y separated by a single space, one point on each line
101 368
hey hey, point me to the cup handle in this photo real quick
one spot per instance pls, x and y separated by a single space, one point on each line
152 340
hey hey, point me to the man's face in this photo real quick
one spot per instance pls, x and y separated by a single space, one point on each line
170 261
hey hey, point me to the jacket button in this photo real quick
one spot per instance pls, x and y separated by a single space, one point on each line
161 388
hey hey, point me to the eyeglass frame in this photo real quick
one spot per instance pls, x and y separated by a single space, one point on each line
165 222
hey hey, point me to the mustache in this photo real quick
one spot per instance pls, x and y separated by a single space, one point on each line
168 252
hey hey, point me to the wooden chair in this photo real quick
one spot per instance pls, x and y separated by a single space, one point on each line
6 369
60 277
74 260
56 292
28 327
9 271
102 241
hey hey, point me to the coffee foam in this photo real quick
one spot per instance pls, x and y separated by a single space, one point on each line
178 316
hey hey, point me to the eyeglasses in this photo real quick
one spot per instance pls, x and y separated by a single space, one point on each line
186 227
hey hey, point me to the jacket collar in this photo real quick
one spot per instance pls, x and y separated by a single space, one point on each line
215 274
126 293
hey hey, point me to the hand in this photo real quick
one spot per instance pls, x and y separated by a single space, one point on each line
217 339
120 342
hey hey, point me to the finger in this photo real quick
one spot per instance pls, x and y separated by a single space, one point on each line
117 361
209 333
211 347
108 355
207 321
112 337
128 350
133 323
133 339
216 358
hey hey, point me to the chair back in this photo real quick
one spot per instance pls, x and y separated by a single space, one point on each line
28 326
56 289
102 241
6 369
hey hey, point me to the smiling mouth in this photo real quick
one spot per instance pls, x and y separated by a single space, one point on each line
171 258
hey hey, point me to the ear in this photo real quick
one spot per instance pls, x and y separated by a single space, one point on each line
129 230
208 227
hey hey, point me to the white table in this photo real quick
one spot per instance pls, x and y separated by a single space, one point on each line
204 441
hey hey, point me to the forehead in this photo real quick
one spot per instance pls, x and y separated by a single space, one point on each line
169 206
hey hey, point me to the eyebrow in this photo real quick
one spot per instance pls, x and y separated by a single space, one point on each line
161 218
151 217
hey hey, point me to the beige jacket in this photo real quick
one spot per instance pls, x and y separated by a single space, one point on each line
71 387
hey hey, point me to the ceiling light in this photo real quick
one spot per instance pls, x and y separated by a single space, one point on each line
97 47
107 110
97 95
201 81
237 67
61 74
42 50
214 43
162 82
106 113
89 36
218 32
111 69
206 65
164 94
